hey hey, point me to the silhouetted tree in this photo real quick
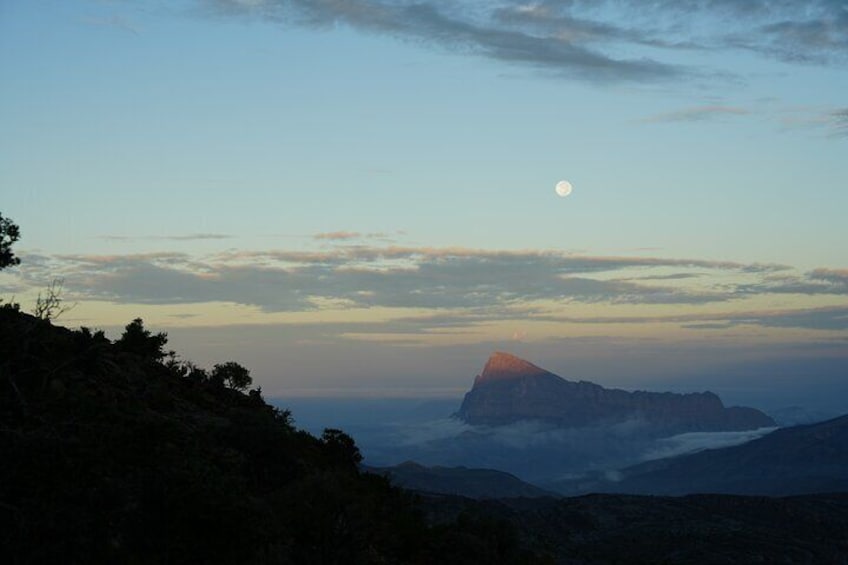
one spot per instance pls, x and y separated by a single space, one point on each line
140 341
197 374
9 234
341 448
186 370
231 374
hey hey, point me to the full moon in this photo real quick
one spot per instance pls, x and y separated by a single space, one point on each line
563 188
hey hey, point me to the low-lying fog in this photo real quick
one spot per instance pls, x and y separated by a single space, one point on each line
391 431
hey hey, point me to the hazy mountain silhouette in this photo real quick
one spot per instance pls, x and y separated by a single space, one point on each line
797 460
511 389
797 416
473 483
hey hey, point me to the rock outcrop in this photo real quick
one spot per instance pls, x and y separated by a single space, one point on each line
511 389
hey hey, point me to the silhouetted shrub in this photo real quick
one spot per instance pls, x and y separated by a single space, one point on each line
142 342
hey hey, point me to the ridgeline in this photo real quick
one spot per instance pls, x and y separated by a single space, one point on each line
511 389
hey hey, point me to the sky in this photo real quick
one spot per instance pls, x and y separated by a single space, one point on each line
356 197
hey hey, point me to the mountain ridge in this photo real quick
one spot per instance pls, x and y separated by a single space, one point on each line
806 459
511 389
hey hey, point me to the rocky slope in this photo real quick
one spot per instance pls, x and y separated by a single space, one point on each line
511 389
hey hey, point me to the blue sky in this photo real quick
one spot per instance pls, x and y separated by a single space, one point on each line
357 197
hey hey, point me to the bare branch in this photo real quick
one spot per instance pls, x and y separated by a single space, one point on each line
50 306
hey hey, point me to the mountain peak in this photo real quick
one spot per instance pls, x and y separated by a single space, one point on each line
503 366
511 389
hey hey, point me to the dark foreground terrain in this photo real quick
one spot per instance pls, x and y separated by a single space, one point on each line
604 528
118 452
470 483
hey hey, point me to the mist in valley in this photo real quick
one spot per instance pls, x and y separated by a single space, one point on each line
393 431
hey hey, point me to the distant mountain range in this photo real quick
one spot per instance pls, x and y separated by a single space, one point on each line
810 459
798 415
511 389
473 483
789 461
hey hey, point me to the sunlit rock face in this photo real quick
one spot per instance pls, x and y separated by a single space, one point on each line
511 389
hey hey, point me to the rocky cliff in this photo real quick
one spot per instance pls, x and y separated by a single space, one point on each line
511 389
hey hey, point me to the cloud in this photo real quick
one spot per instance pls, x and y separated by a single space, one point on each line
835 276
611 40
531 449
557 20
813 31
464 290
114 21
837 121
697 114
183 237
458 288
835 318
671 277
816 282
819 37
183 316
495 259
338 235
471 29
386 276
825 318
707 326
699 441
350 235
430 431
833 122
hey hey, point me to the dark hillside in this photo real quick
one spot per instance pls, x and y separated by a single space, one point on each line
697 529
117 453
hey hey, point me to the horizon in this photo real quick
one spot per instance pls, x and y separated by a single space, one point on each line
364 202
